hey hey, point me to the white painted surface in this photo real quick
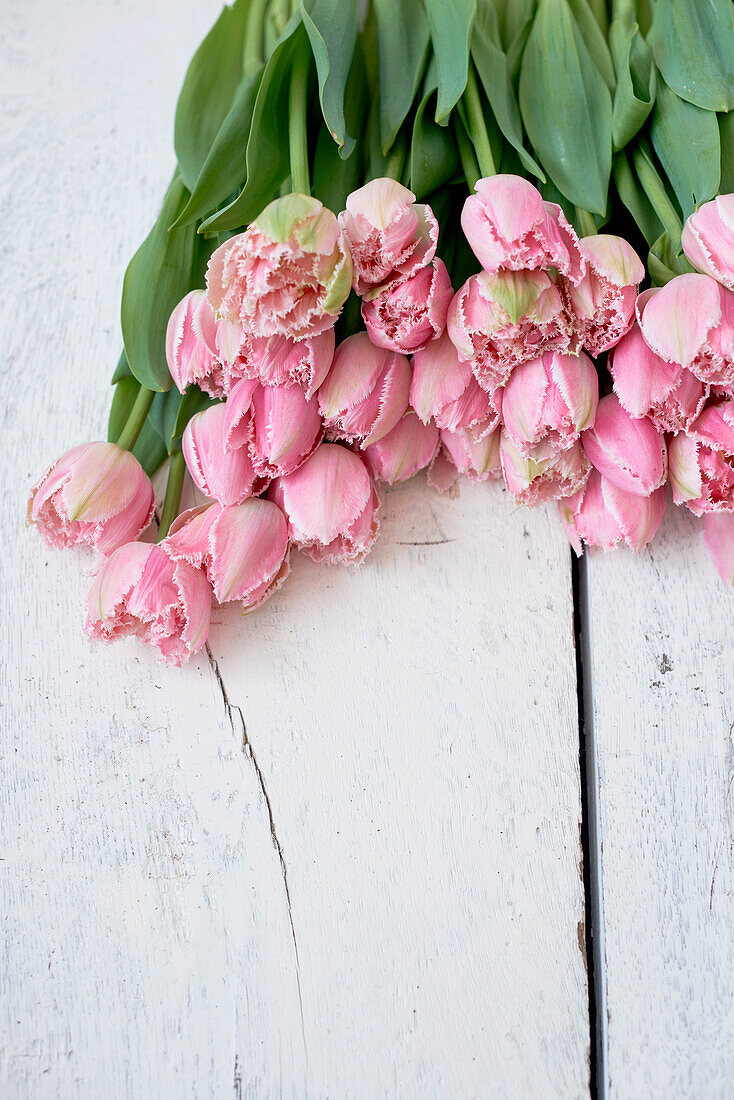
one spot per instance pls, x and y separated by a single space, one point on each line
413 722
662 653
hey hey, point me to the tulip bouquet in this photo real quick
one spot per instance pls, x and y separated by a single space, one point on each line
299 329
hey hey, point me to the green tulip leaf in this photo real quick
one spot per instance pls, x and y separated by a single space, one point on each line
333 177
595 39
193 401
693 45
665 260
164 268
451 27
634 94
402 41
514 17
225 168
149 448
331 26
267 156
122 370
726 137
208 90
567 107
434 159
493 70
686 141
163 416
634 198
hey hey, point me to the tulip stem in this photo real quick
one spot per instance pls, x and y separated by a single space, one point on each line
586 223
252 57
134 424
172 499
477 127
297 133
469 165
655 190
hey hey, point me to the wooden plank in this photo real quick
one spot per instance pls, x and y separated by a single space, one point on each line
339 856
661 655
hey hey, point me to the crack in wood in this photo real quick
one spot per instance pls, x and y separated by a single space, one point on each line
236 717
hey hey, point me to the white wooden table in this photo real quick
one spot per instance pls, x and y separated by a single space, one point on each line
340 856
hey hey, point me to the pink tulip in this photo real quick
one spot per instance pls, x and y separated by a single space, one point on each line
141 591
548 401
278 361
201 350
408 448
702 462
243 549
96 494
331 505
445 390
718 535
498 321
479 459
603 303
366 391
690 322
288 274
227 476
508 225
405 314
629 453
276 426
708 239
603 515
388 233
533 480
647 385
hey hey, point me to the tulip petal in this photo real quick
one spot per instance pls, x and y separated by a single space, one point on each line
718 534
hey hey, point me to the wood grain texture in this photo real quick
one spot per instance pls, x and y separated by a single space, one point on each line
662 651
338 856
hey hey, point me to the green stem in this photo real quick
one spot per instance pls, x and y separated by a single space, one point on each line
477 127
134 424
396 159
172 499
469 165
252 57
585 222
660 201
297 134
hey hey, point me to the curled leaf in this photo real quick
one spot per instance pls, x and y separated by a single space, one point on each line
693 45
686 140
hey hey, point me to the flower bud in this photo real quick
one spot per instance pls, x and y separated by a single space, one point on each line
479 459
200 350
330 504
630 453
603 303
388 233
533 480
96 494
405 314
508 225
444 389
702 462
690 322
227 476
243 549
603 515
647 385
408 448
285 429
549 401
498 321
141 591
708 239
365 392
278 361
288 274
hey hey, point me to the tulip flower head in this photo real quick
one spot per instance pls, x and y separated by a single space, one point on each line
408 448
96 494
444 389
331 505
288 274
141 591
708 239
276 425
366 391
630 453
508 225
549 401
603 303
200 350
243 548
647 385
280 361
498 321
388 233
533 480
227 476
405 314
702 462
602 514
479 459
